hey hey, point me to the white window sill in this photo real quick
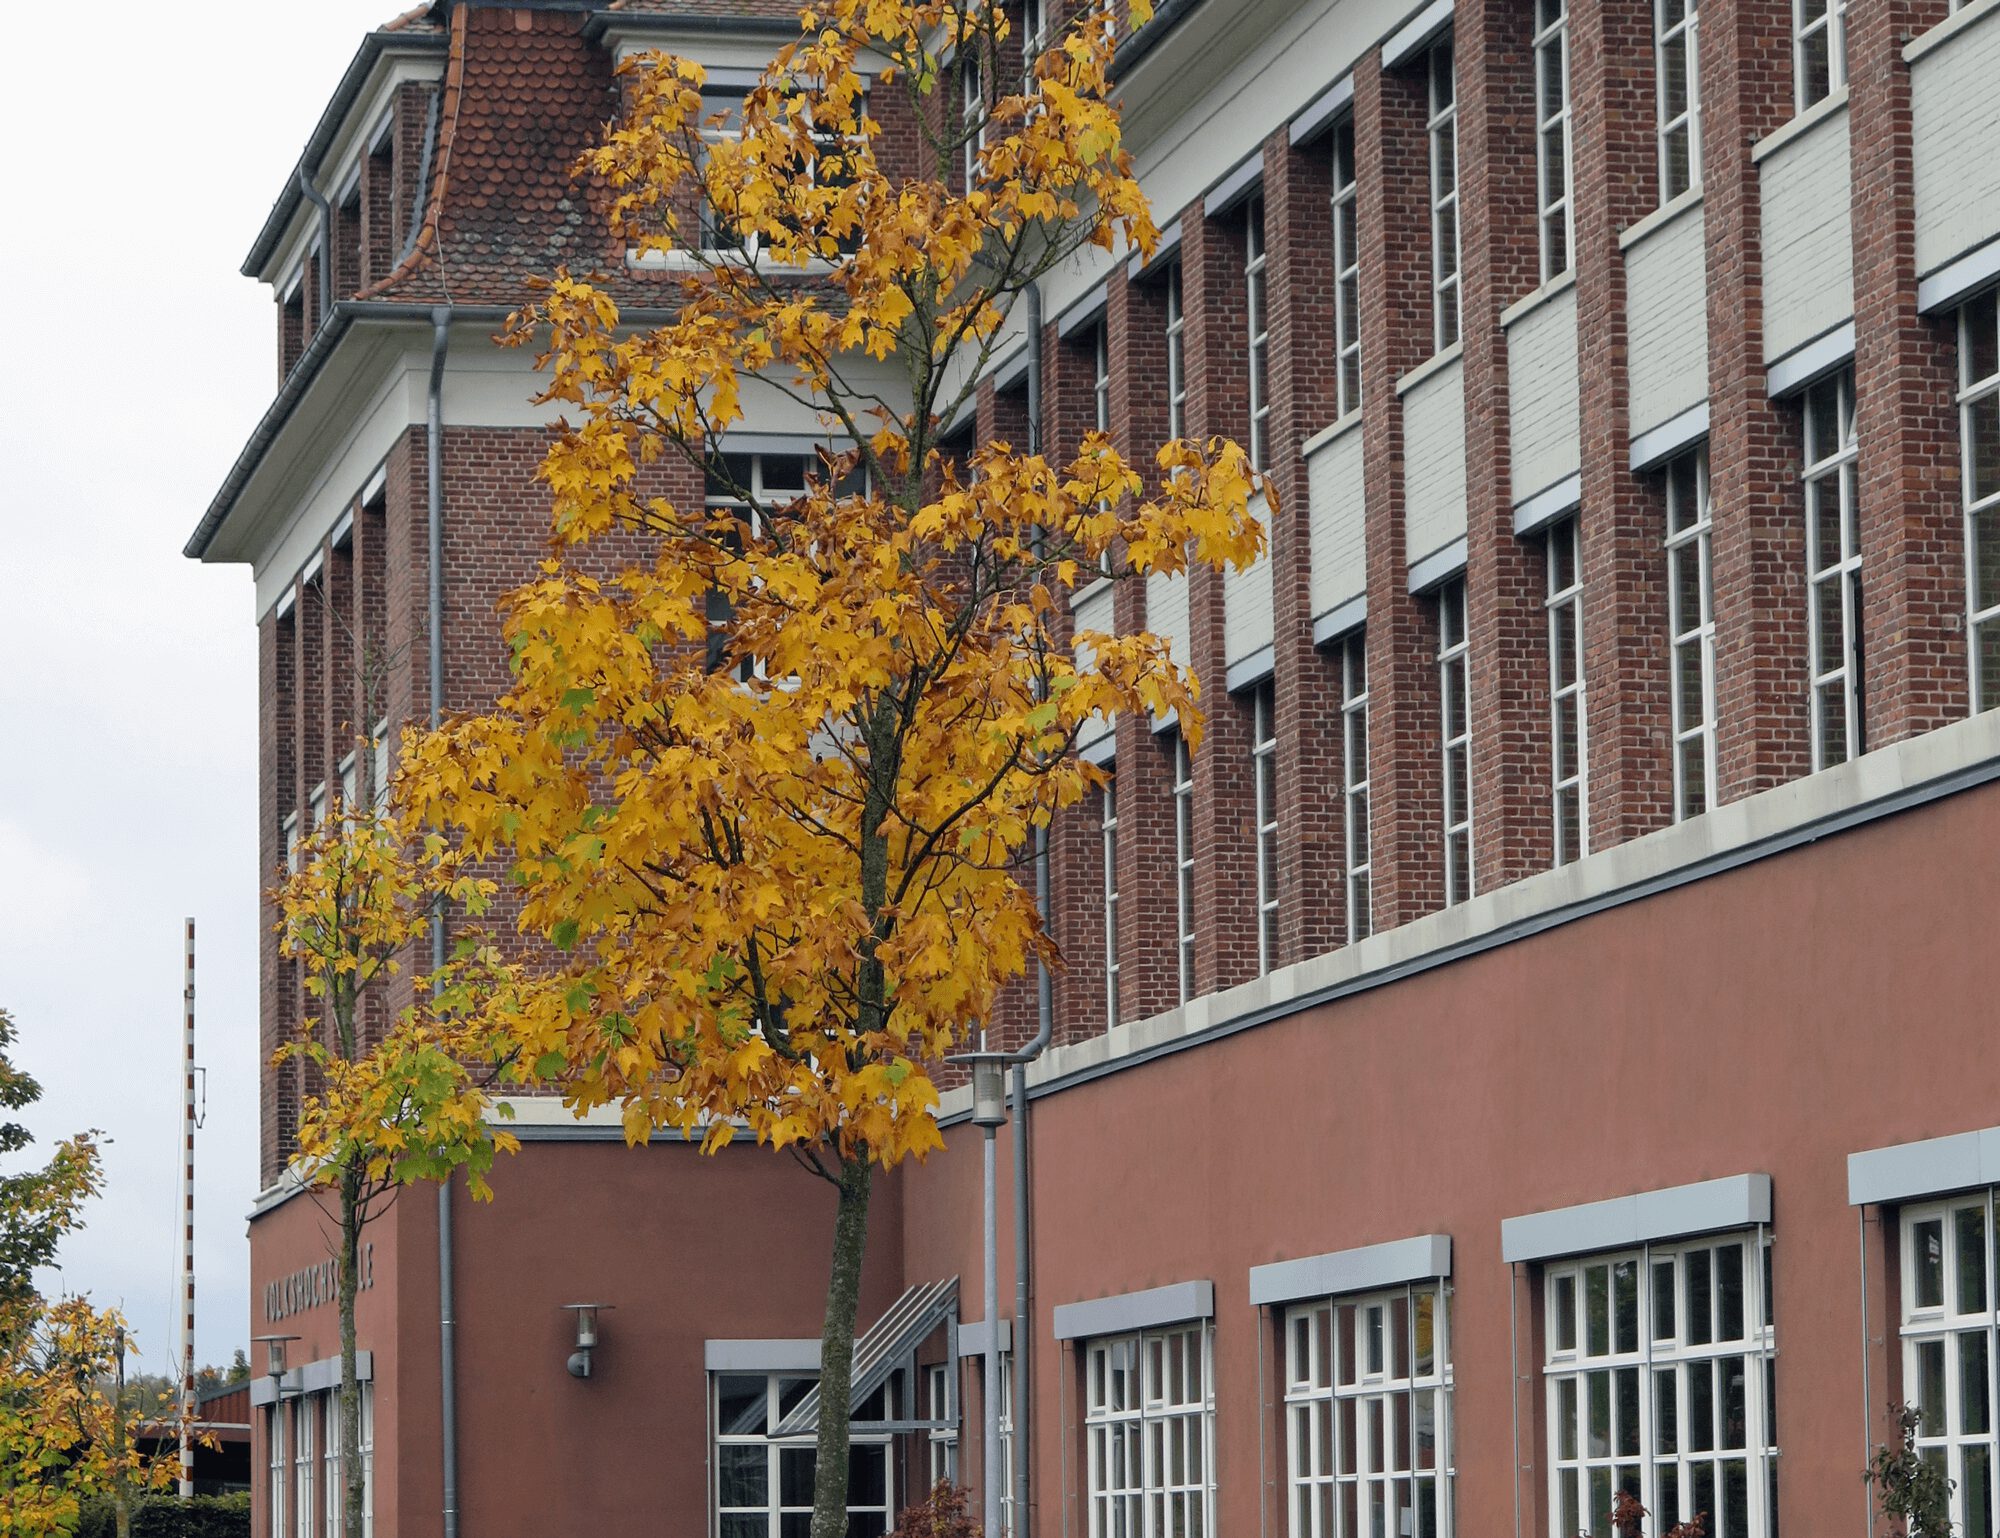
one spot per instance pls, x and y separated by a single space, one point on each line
1436 365
1659 218
1527 304
1340 428
1835 105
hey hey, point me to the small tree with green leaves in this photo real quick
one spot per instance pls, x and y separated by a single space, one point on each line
1910 1489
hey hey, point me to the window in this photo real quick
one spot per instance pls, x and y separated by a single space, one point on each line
379 764
274 1434
1659 1373
1100 399
304 1413
350 787
753 488
1034 27
1552 133
1833 571
942 1438
1455 712
972 86
1107 832
1354 778
330 1461
1184 864
1677 62
288 830
1006 1444
316 808
1567 743
1368 1416
1691 634
1948 1347
1176 354
1819 49
764 1484
367 1391
1257 329
722 118
1149 1422
1979 429
1346 271
1264 787
1442 130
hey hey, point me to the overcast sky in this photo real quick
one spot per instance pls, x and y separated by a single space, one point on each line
140 147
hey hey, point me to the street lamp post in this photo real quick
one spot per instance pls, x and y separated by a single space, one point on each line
989 1114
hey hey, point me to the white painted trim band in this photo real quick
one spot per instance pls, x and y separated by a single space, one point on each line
1735 1201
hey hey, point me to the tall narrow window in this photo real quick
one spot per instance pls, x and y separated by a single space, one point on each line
1006 1444
1455 702
743 492
1552 133
1346 270
1176 354
763 1483
1979 431
368 1460
1819 49
1257 331
1034 27
1354 776
1949 1348
1677 60
1100 398
1368 1416
1107 832
329 1463
1184 864
1264 779
1833 571
941 1438
1149 1431
722 118
274 1434
1442 131
379 764
1658 1373
1691 634
1566 710
305 1510
972 105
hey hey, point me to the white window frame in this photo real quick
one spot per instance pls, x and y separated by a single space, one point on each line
1833 576
1264 790
1569 740
716 498
1667 1468
1138 1432
330 1471
709 219
1979 396
316 808
1945 1336
1006 1444
1184 897
1356 1388
1354 785
288 833
1034 28
1100 400
274 1475
1177 389
1455 740
304 1460
1346 268
1677 34
367 1391
379 766
972 108
1107 834
941 1440
1818 23
773 1511
1552 163
1257 329
1688 541
1441 140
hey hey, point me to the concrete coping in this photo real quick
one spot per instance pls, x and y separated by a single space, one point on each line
1927 1168
1363 1269
1129 1311
760 1355
1623 1222
311 1378
972 1337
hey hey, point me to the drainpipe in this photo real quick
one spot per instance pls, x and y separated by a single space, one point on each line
1044 1027
324 297
447 1315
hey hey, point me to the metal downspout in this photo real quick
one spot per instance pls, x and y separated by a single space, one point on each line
434 475
1044 1029
323 296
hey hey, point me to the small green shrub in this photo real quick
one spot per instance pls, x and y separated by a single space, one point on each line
165 1516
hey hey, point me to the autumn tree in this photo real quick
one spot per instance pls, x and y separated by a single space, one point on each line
398 1105
767 793
65 1436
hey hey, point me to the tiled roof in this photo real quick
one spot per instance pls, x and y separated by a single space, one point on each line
417 18
716 10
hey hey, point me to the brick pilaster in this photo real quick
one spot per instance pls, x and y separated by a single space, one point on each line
1759 539
277 794
1406 840
1511 832
1298 183
1911 524
1612 125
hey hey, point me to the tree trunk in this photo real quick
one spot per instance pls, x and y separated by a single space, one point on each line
352 1507
836 1349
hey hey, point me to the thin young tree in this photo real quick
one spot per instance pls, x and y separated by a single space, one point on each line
769 791
408 1101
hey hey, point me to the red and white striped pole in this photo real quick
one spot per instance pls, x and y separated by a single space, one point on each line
187 1226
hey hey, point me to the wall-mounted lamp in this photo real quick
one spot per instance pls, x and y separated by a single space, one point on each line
586 1335
274 1359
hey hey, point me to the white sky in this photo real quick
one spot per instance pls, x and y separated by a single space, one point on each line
140 147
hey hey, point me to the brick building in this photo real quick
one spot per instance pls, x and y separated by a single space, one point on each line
1540 1044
